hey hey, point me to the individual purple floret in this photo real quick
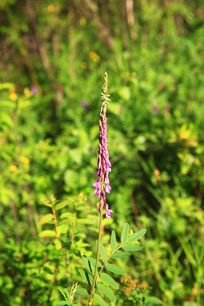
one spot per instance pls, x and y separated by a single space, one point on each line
108 212
102 184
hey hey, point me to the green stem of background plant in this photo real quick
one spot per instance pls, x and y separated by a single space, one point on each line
93 287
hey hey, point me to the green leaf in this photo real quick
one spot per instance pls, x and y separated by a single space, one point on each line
67 215
84 279
114 269
97 300
47 234
125 232
138 235
120 254
132 247
86 221
46 219
63 292
113 241
103 251
62 303
58 244
47 203
63 228
47 270
152 300
61 205
93 261
82 291
90 263
89 266
124 92
107 279
7 86
106 291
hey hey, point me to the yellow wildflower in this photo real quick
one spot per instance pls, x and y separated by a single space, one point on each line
27 93
197 291
197 162
94 56
13 168
12 90
52 8
184 134
187 136
13 96
157 175
24 160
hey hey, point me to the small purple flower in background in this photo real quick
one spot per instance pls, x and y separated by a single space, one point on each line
34 90
166 111
85 105
155 108
102 184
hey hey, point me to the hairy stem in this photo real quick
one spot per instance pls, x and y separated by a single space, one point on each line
93 287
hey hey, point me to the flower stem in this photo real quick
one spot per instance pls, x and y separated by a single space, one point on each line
93 287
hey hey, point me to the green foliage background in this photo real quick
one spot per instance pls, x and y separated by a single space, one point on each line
53 56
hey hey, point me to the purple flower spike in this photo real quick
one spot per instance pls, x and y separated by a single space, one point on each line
102 184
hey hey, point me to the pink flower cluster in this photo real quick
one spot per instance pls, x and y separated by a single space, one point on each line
102 184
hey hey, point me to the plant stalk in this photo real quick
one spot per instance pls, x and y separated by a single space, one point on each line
93 287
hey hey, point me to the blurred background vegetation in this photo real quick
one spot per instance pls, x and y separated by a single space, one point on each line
52 58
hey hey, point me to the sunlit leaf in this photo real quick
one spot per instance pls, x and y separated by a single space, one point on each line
81 291
47 203
125 231
87 221
132 247
67 215
138 235
61 205
103 251
46 219
120 254
6 86
63 228
64 292
98 300
83 276
62 303
107 279
106 291
93 261
47 234
152 300
58 244
90 263
115 269
113 241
